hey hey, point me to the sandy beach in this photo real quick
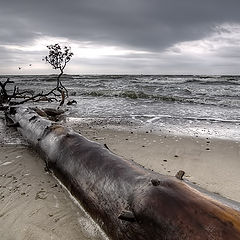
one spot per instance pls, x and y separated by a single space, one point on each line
210 163
33 205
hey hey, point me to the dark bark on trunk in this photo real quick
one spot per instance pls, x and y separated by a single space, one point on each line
4 96
126 200
58 80
63 91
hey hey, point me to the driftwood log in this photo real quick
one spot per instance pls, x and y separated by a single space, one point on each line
126 200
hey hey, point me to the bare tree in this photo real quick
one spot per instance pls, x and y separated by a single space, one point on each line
58 59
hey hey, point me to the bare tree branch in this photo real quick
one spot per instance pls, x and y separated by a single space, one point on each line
58 59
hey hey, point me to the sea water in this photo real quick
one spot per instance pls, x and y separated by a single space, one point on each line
189 105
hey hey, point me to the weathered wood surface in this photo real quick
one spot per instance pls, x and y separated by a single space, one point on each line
126 200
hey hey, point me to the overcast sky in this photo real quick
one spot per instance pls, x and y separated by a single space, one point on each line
122 36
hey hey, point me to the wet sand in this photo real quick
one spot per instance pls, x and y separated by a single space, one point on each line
33 205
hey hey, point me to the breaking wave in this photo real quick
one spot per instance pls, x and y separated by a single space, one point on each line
140 95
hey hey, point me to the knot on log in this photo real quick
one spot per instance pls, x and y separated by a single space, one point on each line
127 216
155 182
180 175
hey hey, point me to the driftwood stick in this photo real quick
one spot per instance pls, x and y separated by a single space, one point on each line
28 95
4 97
39 96
126 200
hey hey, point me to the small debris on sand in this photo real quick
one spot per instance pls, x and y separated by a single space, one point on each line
41 195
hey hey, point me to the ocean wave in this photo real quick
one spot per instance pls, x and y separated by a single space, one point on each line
129 94
155 118
192 89
187 98
207 81
137 95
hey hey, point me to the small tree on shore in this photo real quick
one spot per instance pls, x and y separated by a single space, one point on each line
58 59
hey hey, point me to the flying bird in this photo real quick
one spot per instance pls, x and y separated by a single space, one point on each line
19 68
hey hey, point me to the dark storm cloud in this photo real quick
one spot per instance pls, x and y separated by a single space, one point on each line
14 30
143 24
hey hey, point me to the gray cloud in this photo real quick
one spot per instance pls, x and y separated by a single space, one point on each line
151 25
6 57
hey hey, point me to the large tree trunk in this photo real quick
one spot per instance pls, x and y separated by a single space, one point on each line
126 200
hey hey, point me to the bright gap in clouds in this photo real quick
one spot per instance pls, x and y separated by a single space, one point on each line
218 53
80 49
225 36
84 53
